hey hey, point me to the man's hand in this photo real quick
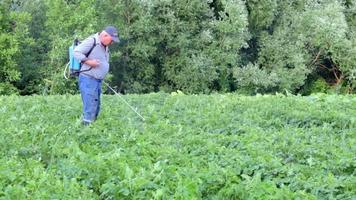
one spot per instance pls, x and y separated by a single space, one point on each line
92 62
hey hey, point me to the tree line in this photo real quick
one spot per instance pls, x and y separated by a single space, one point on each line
196 46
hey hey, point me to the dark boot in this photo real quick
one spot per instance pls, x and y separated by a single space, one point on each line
86 123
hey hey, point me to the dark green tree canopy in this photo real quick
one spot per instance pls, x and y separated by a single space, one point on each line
197 46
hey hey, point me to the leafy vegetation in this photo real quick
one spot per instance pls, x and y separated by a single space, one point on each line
196 46
190 147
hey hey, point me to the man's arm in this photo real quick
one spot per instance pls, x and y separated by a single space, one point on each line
82 49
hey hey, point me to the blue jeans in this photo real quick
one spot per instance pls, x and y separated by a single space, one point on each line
90 90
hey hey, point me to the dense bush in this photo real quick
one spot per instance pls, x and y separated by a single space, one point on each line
197 47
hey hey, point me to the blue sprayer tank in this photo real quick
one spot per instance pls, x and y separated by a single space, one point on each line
74 64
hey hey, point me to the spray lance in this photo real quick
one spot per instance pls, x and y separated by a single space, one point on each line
124 101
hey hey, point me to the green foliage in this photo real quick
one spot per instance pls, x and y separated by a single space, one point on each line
35 182
199 48
66 21
33 61
295 40
190 147
251 79
262 14
56 85
331 38
8 50
7 89
318 86
13 34
195 46
131 63
351 70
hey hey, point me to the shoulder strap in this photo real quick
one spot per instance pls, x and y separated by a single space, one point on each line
89 52
76 73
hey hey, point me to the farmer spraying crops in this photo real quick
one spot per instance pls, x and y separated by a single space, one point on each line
93 54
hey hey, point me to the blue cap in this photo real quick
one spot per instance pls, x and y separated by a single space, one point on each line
112 31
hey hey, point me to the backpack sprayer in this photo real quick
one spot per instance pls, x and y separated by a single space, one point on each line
73 69
74 65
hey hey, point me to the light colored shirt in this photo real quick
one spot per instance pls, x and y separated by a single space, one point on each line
100 52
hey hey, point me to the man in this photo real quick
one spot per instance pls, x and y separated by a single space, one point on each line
93 53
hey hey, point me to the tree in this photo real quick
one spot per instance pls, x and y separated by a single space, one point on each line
197 46
350 12
303 39
66 20
132 62
199 43
34 48
13 32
